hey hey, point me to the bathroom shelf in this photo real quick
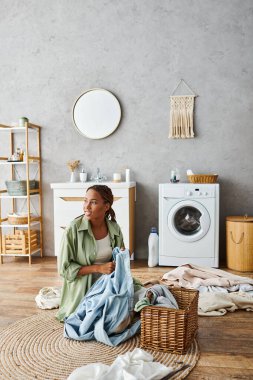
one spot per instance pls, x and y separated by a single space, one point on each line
19 163
34 222
32 192
3 225
22 255
9 128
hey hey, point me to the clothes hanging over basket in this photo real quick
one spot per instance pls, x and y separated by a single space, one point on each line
181 114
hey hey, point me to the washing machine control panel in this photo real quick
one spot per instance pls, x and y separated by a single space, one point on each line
188 190
199 192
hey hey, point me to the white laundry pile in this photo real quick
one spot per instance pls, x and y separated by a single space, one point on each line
217 304
133 365
49 297
220 291
192 276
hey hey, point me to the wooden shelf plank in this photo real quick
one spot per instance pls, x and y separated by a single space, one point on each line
9 128
32 192
34 158
20 254
3 126
5 225
31 161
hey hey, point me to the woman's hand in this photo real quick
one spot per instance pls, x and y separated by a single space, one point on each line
106 268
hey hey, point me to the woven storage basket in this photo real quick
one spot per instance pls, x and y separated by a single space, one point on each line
203 178
19 187
18 218
171 330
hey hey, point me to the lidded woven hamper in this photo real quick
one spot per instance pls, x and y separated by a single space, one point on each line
239 236
171 330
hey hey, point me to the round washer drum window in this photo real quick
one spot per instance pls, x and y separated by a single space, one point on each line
187 220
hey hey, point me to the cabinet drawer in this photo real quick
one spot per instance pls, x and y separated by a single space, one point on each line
65 210
81 192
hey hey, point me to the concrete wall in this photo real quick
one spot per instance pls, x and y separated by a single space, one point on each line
52 51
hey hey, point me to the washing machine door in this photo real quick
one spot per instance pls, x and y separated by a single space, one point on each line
189 221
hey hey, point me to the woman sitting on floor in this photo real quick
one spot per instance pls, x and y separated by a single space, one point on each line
86 248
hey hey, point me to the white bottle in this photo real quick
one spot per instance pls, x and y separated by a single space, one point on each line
153 248
127 175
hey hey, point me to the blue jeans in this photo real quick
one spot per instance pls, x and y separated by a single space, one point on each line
105 312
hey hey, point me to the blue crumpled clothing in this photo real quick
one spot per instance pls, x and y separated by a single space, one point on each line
105 312
157 295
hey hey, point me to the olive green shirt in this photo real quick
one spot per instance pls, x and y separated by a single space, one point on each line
78 249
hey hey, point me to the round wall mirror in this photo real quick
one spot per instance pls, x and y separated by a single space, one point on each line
96 113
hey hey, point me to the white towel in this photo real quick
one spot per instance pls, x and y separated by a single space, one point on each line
133 365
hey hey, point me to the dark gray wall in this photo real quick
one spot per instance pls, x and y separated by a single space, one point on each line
52 51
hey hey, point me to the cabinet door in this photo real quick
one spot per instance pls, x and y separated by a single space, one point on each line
67 209
68 204
121 208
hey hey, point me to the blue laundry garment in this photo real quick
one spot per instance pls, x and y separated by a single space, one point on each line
157 295
105 312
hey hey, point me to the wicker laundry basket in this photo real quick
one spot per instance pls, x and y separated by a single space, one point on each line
18 218
171 330
20 187
203 178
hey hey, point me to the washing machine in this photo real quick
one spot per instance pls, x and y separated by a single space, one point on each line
189 224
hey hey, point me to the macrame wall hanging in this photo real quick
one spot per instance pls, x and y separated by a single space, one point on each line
181 114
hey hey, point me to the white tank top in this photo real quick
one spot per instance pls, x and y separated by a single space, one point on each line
104 250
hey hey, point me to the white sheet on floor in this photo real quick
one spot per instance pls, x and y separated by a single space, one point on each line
207 279
49 297
133 365
218 304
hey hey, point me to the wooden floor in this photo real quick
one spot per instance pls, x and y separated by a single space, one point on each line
226 343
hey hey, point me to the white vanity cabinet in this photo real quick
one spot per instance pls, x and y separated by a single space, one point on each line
68 204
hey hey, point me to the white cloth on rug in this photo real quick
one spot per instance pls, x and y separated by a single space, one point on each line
133 365
218 304
206 279
49 297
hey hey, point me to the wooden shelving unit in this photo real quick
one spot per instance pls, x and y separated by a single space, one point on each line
34 222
